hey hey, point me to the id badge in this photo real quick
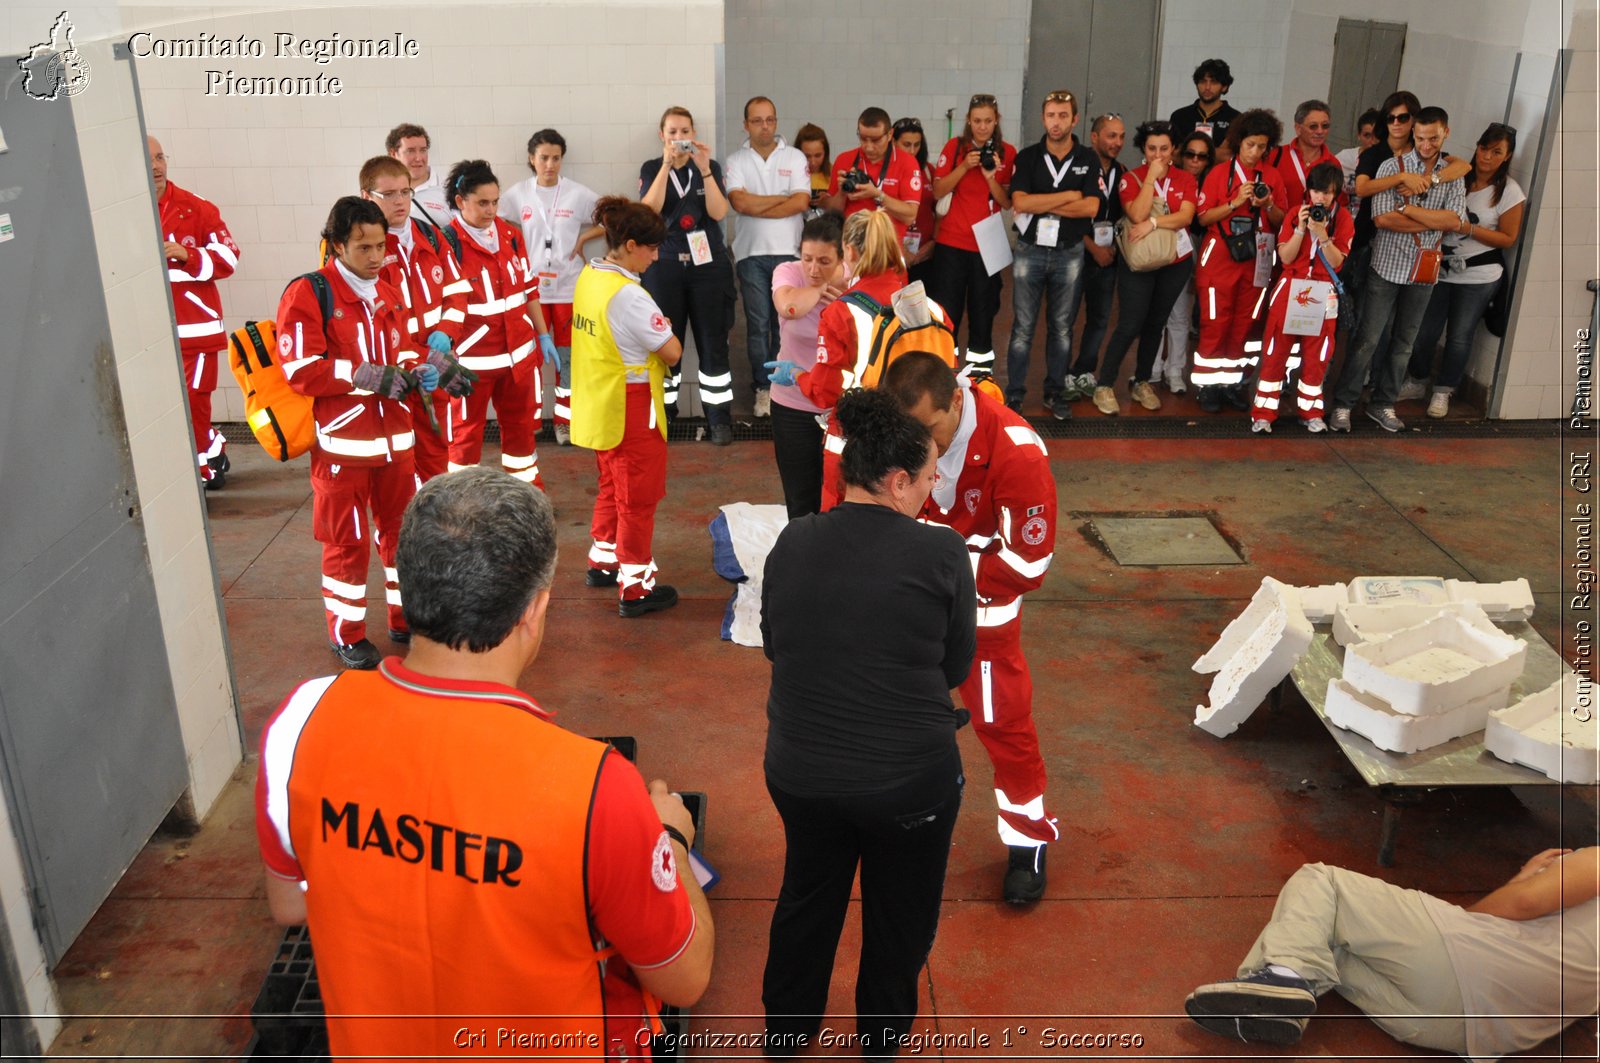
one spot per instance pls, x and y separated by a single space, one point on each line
1203 127
1105 234
699 247
547 277
1046 231
912 242
1333 306
1264 257
1185 244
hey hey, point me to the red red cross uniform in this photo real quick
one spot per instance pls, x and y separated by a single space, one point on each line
1229 300
361 463
434 296
196 224
1315 351
1004 506
499 343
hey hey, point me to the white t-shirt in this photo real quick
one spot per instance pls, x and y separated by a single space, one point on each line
781 173
430 195
637 324
1348 158
1488 218
551 220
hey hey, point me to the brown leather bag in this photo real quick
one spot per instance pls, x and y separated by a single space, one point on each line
1426 271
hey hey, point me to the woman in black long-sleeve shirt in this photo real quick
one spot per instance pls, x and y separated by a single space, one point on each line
869 619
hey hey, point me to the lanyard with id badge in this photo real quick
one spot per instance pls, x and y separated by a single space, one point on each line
1105 233
547 271
1047 227
699 242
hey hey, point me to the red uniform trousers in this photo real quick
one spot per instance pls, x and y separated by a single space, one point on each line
341 498
515 391
633 481
1229 305
559 317
832 456
432 451
1314 355
200 377
999 694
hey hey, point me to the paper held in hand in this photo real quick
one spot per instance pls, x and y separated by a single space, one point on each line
993 243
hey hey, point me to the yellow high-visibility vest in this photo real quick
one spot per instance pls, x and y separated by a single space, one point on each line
599 378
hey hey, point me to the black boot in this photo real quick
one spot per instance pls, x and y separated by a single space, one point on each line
1025 873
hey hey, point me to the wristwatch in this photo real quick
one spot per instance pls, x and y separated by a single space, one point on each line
1433 178
1403 208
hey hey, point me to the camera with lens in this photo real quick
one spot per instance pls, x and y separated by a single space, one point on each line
851 180
1260 190
1318 213
685 146
986 156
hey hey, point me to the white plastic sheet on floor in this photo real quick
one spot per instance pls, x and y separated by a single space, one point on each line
741 536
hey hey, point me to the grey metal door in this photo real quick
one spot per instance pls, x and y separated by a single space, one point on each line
1366 68
90 752
1104 51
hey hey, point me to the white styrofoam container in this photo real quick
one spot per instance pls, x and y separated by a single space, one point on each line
1254 654
1354 623
1511 600
1388 590
1371 717
1318 603
1546 731
1436 666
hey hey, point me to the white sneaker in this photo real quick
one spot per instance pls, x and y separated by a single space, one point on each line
1316 425
1439 404
763 403
1175 384
1087 383
1261 426
563 436
1412 389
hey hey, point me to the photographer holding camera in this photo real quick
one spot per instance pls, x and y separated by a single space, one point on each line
876 176
974 170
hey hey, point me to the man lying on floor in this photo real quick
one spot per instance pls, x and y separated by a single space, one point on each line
1485 981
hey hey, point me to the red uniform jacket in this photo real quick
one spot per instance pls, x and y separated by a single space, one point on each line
841 352
195 223
1286 160
431 287
497 333
354 427
1005 508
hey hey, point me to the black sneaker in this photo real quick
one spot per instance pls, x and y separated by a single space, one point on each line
664 596
1260 1007
1024 873
1237 396
402 637
1015 406
220 463
217 482
721 435
361 655
600 577
1061 408
1210 399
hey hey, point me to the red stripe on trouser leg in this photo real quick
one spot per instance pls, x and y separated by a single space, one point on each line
1225 284
350 510
432 453
832 476
200 378
515 407
518 408
1010 738
633 480
200 416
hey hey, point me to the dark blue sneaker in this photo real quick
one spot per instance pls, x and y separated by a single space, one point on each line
1261 1007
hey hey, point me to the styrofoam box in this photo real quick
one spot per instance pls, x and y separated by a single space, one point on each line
1253 655
1354 623
1388 590
1436 666
1318 603
1546 732
1511 600
1370 717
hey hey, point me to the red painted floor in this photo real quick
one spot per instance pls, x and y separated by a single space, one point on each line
1175 842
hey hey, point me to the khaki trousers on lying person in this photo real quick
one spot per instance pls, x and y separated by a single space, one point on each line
1372 943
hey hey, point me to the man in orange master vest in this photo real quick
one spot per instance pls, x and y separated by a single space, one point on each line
477 880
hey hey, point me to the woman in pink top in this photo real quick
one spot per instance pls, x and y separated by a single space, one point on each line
800 291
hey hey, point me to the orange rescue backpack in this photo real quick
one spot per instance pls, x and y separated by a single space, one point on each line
891 338
279 416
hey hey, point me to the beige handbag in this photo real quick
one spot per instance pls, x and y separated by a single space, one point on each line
1158 249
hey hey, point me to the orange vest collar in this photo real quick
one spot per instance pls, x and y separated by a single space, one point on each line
397 673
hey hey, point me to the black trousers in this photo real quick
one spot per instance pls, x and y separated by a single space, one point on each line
797 444
960 282
901 840
699 298
1144 302
1098 292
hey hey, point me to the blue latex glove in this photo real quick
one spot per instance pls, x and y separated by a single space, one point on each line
439 341
547 345
783 373
427 378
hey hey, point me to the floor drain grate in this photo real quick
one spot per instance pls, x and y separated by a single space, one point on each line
1163 539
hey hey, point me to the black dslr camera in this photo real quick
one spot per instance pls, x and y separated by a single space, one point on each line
1260 190
986 156
1318 213
851 180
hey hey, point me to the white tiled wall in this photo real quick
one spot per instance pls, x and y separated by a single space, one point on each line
822 61
39 993
1250 35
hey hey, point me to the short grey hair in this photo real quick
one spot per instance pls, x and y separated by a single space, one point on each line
1307 107
476 547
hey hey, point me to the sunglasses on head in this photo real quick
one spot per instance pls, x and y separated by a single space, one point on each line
908 125
1403 116
1061 96
982 99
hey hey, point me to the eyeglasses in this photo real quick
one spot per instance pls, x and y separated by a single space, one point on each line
1061 96
981 99
1196 155
161 158
1319 127
1395 119
384 197
762 121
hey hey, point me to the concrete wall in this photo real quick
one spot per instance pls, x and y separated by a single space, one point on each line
1250 35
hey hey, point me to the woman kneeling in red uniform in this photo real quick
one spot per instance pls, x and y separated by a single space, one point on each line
358 364
1312 252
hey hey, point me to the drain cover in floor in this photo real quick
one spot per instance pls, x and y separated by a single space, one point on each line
1165 541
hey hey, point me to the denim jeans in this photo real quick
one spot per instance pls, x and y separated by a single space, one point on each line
1384 302
1453 312
1038 273
1098 291
760 319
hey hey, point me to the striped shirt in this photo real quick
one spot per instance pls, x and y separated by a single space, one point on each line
1394 254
